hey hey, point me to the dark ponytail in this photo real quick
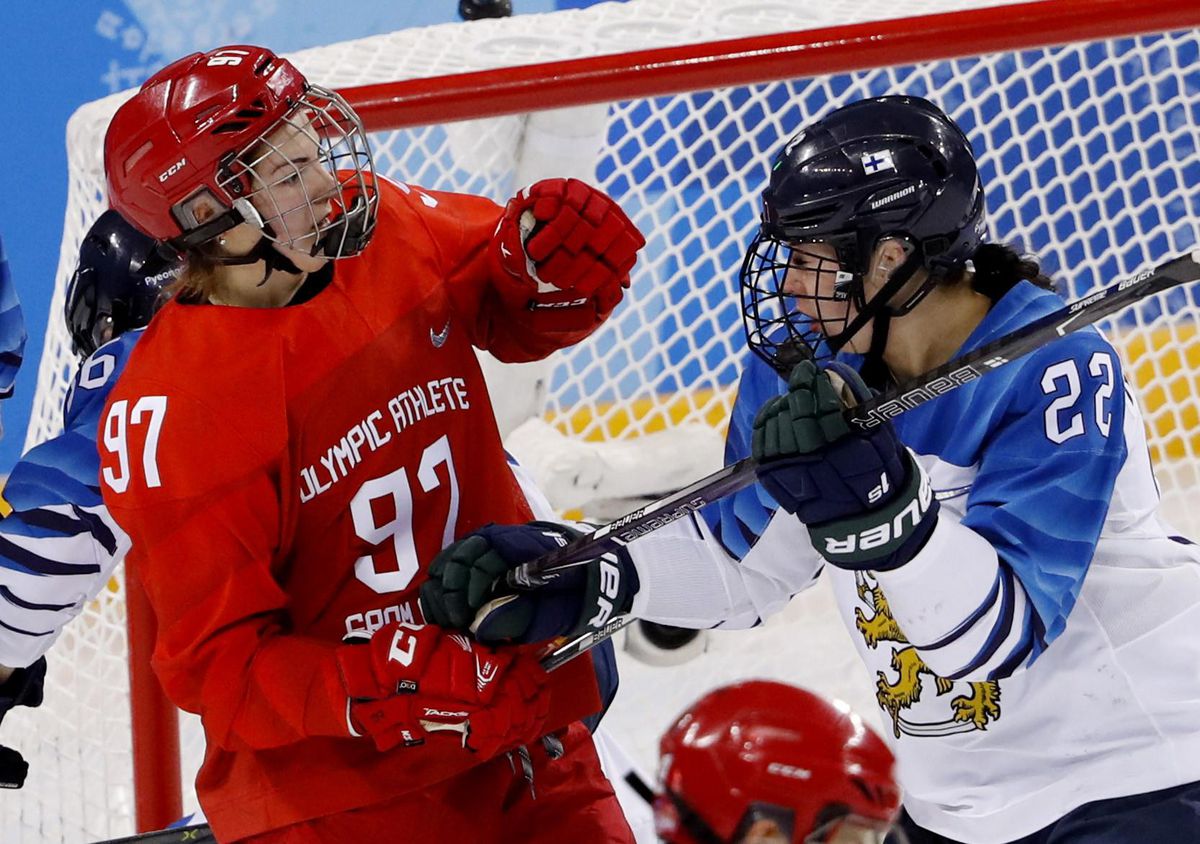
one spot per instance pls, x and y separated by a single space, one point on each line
998 267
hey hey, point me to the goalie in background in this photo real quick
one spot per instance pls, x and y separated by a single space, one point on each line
762 762
996 553
304 426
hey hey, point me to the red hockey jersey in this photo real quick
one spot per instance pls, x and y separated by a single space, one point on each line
287 474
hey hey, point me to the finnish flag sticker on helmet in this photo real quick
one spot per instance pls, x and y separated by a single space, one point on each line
877 162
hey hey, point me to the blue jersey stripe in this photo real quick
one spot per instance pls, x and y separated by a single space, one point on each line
979 612
1000 630
8 595
25 632
1026 648
15 557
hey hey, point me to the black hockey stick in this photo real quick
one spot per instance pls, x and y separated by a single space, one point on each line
199 834
867 415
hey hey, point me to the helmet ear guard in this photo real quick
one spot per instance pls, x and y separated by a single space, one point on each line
196 233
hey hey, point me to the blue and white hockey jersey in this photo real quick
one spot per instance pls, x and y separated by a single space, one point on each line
1040 652
59 545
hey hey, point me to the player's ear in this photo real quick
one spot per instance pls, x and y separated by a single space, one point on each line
889 255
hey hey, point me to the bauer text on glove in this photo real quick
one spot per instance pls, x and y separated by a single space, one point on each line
865 499
466 587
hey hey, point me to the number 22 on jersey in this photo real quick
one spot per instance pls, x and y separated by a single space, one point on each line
1064 419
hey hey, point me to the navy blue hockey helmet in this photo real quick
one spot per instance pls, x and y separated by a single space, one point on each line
117 285
889 167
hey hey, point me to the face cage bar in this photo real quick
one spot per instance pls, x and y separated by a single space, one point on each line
345 154
775 330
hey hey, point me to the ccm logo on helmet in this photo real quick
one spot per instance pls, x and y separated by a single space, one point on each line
783 770
172 170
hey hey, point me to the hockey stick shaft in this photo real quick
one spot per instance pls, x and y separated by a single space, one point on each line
865 416
975 364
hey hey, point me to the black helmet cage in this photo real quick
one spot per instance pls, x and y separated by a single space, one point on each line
891 167
774 330
117 285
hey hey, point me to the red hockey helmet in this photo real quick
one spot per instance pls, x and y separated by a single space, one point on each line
214 126
762 749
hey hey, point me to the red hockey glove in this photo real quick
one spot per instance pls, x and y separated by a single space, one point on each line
419 673
565 246
515 716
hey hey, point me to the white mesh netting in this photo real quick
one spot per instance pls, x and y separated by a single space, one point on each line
1089 155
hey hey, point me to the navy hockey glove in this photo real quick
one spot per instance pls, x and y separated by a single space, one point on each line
865 500
466 587
22 688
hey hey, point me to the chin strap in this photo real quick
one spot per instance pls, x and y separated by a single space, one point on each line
263 251
349 235
878 312
691 821
874 371
243 211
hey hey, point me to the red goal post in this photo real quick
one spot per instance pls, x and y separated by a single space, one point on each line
1089 151
758 59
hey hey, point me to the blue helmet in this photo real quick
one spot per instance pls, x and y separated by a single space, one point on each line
117 285
889 167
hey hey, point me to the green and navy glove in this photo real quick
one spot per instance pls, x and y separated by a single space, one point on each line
467 590
864 498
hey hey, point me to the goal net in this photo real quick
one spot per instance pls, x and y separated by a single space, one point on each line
1088 152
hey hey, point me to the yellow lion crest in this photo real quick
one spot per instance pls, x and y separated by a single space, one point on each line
971 711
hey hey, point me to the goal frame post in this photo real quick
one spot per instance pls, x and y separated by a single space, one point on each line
761 58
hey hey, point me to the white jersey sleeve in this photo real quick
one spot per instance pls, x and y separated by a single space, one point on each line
689 579
737 562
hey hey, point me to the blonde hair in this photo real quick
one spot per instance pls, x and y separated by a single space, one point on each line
199 278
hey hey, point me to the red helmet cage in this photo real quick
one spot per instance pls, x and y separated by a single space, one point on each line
180 136
762 742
